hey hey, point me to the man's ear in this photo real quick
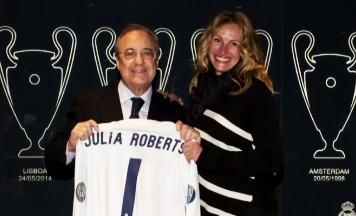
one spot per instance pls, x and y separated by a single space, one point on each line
158 56
117 63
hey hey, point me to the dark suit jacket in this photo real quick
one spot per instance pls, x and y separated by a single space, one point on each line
102 105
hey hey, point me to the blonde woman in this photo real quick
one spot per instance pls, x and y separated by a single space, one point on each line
232 105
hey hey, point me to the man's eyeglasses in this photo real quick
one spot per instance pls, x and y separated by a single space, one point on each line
146 54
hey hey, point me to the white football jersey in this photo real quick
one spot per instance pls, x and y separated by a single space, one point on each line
135 167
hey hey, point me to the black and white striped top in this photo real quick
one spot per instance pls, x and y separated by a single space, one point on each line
242 151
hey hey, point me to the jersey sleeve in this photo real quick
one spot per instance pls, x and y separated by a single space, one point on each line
190 187
80 182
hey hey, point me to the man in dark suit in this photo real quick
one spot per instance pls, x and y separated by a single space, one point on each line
137 54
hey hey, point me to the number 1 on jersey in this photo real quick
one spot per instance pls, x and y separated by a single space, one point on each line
130 187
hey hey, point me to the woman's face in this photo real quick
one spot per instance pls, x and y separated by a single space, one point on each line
224 50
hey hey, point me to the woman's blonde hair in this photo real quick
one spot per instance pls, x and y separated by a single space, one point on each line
251 63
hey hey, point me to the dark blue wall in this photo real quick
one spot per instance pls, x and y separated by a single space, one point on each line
311 63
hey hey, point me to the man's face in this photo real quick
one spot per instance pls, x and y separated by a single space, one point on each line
137 60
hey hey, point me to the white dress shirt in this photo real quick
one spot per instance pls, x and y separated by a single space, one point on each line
126 103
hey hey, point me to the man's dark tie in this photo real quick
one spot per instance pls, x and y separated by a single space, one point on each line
137 103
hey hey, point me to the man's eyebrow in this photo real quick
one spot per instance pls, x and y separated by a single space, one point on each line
142 49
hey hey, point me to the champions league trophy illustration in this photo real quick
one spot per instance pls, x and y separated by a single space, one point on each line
108 75
327 83
259 32
35 80
106 66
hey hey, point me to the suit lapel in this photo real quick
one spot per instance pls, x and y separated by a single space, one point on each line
154 110
111 108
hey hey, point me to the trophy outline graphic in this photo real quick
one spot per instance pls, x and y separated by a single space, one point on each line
259 32
164 77
104 80
310 60
103 76
56 57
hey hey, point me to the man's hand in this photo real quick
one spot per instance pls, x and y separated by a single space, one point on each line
171 96
81 131
191 137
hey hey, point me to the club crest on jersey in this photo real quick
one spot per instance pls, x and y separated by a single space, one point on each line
80 192
190 194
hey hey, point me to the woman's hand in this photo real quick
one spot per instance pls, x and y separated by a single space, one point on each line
191 137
